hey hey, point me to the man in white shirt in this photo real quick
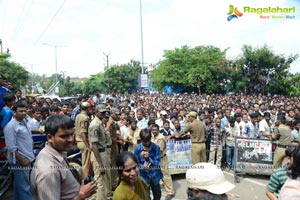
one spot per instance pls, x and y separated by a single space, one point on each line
264 128
163 116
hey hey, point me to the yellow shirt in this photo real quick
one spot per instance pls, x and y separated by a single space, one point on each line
124 191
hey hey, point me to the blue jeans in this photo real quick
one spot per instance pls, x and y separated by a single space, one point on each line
229 155
21 182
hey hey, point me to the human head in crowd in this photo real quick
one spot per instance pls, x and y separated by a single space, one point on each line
220 114
207 181
151 122
245 118
18 94
139 114
166 125
163 114
54 110
253 117
267 116
173 117
227 113
238 117
218 122
64 107
110 102
281 119
192 116
36 113
127 110
132 114
133 123
177 125
154 129
152 116
208 119
45 112
9 99
231 121
201 115
20 111
273 110
115 113
145 136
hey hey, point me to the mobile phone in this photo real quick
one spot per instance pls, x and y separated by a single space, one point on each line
88 179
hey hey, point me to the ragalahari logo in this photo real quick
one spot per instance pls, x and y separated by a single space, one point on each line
233 13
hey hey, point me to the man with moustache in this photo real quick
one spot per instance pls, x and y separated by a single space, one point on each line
19 145
51 177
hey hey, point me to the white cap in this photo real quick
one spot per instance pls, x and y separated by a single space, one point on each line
206 176
163 112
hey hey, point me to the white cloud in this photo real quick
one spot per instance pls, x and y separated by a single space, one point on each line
90 28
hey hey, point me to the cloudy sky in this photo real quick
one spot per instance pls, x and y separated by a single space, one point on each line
85 30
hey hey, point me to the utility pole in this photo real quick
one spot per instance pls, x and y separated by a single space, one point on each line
142 40
106 59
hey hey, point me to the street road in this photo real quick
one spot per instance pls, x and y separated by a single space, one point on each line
250 187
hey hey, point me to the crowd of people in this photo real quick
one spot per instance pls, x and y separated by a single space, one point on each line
107 127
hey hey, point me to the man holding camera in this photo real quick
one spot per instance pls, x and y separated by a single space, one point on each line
51 176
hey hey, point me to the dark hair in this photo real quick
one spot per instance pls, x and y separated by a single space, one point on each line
231 120
205 195
151 122
267 114
18 104
166 121
8 97
294 169
54 108
237 115
155 125
145 135
281 118
122 158
55 122
36 109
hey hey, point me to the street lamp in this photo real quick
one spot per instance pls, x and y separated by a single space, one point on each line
55 54
142 42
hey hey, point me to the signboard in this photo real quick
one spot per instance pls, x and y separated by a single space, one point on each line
179 155
144 81
254 156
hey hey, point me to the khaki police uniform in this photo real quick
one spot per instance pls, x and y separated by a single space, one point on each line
97 134
81 125
161 141
283 135
108 161
197 134
114 149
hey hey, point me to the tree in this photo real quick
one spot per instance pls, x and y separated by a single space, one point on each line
122 78
195 69
264 71
13 71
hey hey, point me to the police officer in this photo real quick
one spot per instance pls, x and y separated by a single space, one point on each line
283 135
161 141
81 135
113 128
197 134
97 141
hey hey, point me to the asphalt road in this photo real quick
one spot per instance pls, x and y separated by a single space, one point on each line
251 187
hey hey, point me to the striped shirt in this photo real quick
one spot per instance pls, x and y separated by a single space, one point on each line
277 180
51 177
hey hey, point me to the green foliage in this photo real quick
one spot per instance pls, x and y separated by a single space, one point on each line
265 71
198 68
14 72
122 78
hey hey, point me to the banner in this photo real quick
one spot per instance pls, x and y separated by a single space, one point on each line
179 155
254 156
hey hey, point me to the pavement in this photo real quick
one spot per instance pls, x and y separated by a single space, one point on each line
251 187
